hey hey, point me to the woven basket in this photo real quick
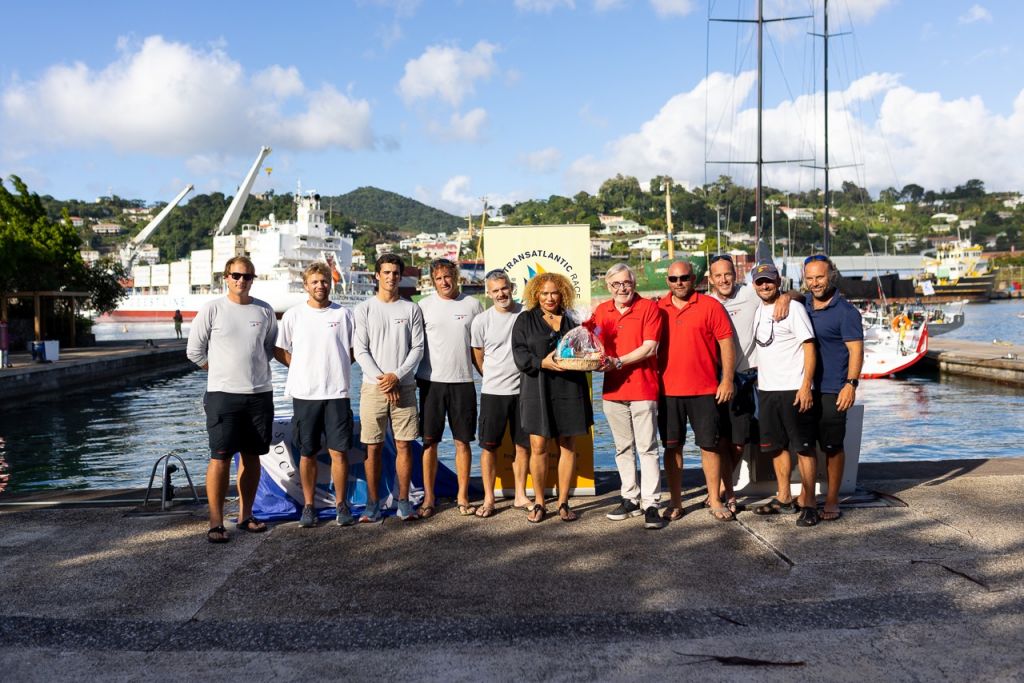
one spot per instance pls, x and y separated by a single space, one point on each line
584 364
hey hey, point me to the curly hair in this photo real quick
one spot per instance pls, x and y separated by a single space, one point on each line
531 295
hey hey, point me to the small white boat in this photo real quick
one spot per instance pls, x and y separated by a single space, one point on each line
888 349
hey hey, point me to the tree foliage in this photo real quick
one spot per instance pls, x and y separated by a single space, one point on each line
38 253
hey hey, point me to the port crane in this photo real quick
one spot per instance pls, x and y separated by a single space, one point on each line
234 212
130 252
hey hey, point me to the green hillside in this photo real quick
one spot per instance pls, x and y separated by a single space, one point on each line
379 208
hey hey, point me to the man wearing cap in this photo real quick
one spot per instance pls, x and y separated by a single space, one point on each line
737 416
840 356
629 327
696 359
785 369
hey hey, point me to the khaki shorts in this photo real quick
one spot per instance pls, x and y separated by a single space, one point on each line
374 412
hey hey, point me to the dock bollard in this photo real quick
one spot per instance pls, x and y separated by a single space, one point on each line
166 490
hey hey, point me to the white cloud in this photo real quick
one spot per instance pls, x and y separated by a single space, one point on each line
975 13
447 73
672 8
607 5
170 98
456 196
898 147
542 160
461 128
543 6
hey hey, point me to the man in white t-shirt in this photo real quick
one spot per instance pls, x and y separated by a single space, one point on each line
736 417
785 359
314 340
445 380
499 394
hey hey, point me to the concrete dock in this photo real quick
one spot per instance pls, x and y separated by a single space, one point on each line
926 584
90 365
998 362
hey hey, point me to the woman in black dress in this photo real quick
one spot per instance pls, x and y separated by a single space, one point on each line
554 404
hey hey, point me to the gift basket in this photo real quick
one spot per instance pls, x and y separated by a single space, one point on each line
579 349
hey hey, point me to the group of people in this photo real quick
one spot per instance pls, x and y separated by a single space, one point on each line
687 358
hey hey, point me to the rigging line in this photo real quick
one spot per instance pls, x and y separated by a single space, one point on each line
707 86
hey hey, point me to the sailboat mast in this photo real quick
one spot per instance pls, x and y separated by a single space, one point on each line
760 110
825 240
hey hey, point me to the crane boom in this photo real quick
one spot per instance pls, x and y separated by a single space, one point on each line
231 216
131 250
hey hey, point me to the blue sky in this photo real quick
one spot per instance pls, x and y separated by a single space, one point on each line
451 100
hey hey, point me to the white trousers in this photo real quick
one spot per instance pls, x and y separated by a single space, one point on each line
634 426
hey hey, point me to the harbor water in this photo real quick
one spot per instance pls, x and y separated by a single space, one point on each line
109 438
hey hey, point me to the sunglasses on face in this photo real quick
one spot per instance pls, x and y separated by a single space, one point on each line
720 257
248 277
815 257
686 277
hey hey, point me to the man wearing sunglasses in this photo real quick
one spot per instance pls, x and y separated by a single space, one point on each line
840 356
737 416
696 358
629 327
785 369
233 338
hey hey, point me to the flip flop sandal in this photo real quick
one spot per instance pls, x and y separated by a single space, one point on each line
252 525
426 512
776 506
222 538
537 514
722 514
467 510
673 514
834 515
485 511
808 517
566 513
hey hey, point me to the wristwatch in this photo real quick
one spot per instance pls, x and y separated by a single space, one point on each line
852 382
618 363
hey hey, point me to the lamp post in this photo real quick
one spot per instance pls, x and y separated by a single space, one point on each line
718 229
886 238
772 203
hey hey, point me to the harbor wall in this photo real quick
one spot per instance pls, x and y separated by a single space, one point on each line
1002 364
40 380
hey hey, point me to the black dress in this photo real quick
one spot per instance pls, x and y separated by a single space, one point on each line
550 403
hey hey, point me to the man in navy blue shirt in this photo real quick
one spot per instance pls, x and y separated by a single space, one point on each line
840 351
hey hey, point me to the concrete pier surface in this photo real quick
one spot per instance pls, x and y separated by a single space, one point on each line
85 366
927 583
1000 362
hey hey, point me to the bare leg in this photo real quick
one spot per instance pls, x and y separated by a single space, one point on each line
307 473
538 467
783 471
463 460
674 475
430 473
403 468
248 481
339 475
808 464
566 466
835 463
520 467
488 475
217 476
373 469
711 463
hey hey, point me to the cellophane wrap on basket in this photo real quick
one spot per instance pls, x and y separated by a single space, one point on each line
580 343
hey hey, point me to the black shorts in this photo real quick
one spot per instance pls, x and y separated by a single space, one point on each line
702 413
497 413
238 423
783 426
831 423
456 400
736 417
330 418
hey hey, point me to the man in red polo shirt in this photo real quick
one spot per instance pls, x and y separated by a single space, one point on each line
696 345
629 327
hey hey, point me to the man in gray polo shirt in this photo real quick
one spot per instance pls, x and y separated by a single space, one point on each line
499 393
233 338
388 345
445 380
